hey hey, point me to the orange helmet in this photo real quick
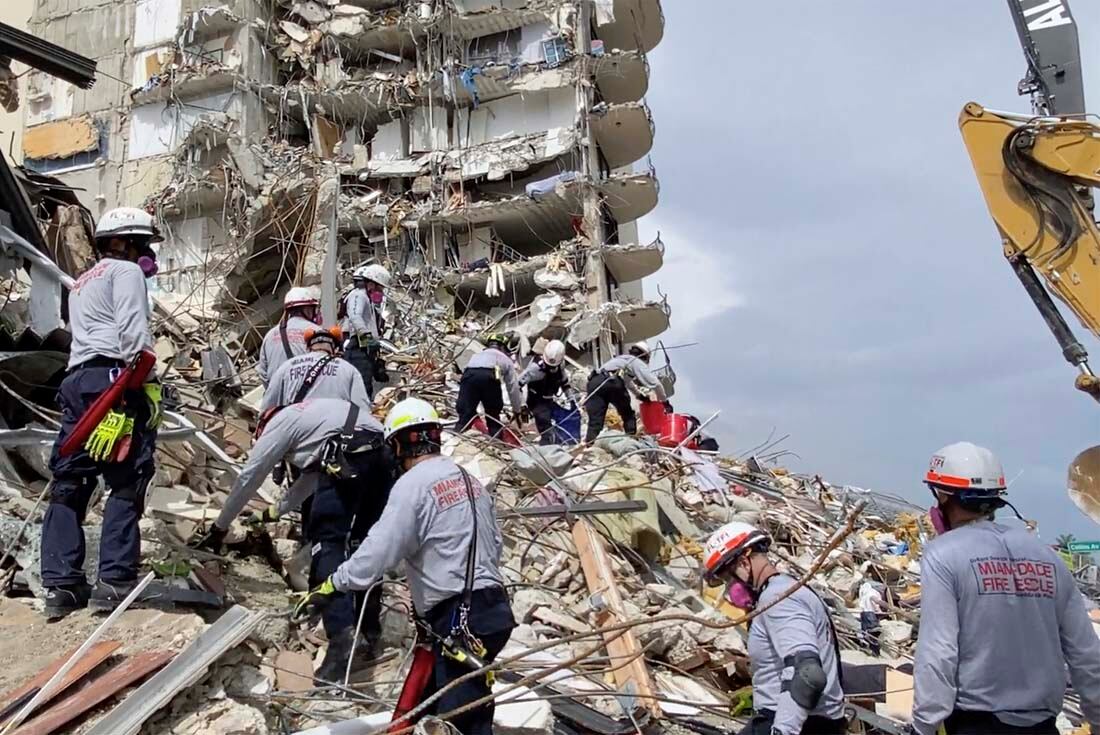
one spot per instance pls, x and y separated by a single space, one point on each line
334 336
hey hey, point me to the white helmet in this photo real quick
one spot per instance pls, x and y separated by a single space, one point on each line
554 353
640 349
123 221
728 543
300 296
966 467
409 413
373 272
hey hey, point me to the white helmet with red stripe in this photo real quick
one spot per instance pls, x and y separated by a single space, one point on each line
300 296
967 468
728 543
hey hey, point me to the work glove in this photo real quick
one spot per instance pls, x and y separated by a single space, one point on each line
103 442
668 407
365 341
270 514
313 602
210 539
154 396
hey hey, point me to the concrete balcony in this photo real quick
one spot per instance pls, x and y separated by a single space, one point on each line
632 322
632 262
369 103
622 76
638 24
623 132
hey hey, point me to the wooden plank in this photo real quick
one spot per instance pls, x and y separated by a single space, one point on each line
899 695
95 691
293 672
632 675
94 657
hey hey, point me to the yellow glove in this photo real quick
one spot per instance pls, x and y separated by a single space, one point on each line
1088 383
114 426
153 395
312 602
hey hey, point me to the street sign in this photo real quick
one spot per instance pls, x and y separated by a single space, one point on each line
1082 547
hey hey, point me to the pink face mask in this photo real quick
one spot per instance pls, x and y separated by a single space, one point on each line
376 297
939 522
740 595
148 266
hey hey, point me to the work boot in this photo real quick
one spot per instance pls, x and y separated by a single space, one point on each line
335 664
106 596
60 601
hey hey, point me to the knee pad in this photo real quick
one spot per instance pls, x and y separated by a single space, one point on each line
808 680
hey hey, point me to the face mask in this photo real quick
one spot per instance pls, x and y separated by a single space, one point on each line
939 521
739 594
148 265
376 297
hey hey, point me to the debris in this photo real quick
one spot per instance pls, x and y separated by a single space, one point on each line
230 629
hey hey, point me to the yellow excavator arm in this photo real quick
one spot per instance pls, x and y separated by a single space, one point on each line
1035 173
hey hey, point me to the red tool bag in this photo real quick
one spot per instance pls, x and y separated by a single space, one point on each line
412 692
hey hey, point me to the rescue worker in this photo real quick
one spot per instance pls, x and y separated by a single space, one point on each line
109 321
1001 616
544 378
481 381
607 386
442 523
319 373
301 311
795 655
364 324
336 451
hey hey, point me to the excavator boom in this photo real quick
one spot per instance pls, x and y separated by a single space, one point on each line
1034 173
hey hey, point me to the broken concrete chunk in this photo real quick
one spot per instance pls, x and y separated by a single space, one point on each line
541 464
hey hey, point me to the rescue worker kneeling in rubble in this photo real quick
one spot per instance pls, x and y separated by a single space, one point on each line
319 373
109 320
1001 616
481 381
545 377
796 681
301 311
611 385
337 452
442 523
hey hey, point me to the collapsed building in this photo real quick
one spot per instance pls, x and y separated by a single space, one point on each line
493 155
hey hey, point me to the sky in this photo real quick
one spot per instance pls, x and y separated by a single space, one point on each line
829 248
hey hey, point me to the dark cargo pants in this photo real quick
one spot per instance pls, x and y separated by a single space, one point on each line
75 478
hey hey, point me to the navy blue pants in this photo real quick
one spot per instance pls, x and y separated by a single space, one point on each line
492 622
542 409
480 386
362 360
340 515
75 478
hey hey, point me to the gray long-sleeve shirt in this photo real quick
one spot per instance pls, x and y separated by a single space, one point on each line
338 379
505 366
1001 618
428 523
362 319
109 312
640 372
798 623
297 434
273 352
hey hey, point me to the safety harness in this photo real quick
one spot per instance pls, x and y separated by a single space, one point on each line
286 340
343 455
460 643
311 378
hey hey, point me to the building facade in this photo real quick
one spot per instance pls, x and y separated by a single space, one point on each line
496 152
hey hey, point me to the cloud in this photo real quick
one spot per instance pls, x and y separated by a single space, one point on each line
829 247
